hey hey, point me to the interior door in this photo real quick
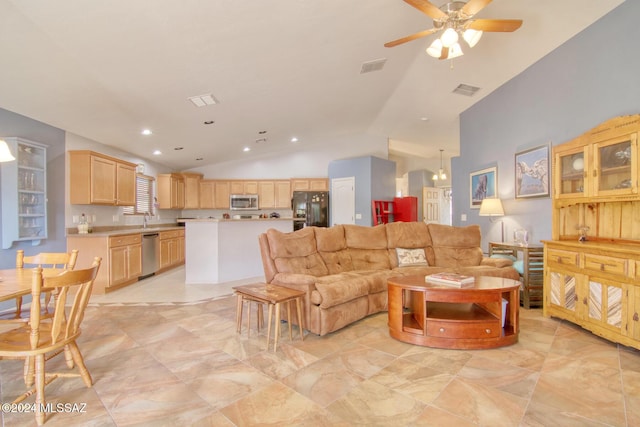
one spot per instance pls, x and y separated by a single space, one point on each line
343 201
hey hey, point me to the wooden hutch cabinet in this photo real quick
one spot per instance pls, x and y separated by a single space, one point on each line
592 265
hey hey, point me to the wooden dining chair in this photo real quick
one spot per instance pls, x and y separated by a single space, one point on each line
60 260
37 338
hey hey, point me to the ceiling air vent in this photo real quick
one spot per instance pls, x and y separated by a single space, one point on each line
466 90
375 65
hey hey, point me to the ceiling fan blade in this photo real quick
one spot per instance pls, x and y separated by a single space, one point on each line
445 53
495 25
474 6
428 8
411 37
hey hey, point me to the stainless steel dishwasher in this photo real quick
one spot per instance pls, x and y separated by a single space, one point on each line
149 254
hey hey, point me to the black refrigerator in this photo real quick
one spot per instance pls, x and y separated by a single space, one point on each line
310 208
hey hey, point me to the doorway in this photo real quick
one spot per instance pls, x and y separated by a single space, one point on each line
343 200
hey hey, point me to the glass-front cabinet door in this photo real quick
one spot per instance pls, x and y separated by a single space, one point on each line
570 173
24 193
616 166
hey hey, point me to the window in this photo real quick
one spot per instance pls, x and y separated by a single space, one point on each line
144 196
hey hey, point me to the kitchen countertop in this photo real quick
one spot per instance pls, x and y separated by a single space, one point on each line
126 231
235 219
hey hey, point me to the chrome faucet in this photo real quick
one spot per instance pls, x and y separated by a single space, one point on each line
145 219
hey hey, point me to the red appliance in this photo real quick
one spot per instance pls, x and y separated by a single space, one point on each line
405 209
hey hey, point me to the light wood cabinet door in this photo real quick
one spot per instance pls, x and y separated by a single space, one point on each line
282 195
118 261
319 184
125 184
298 184
192 191
103 181
266 195
207 194
250 187
236 187
170 191
134 261
222 194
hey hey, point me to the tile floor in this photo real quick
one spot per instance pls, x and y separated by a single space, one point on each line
162 353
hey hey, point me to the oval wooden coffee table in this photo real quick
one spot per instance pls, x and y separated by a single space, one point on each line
450 317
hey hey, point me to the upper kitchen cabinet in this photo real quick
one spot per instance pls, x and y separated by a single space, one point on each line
192 190
309 184
207 194
244 187
97 179
171 191
24 193
222 191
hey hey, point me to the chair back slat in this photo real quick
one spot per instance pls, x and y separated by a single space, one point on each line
60 260
34 320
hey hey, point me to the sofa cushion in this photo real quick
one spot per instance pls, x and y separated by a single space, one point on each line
409 235
339 288
367 247
376 279
332 247
296 252
456 246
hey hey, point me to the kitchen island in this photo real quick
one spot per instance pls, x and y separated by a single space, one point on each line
223 250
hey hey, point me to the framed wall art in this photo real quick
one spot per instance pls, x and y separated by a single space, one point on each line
483 184
532 172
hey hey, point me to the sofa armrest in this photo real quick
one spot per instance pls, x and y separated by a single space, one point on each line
301 282
496 262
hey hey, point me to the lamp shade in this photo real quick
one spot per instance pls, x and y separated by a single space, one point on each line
435 49
491 207
449 37
5 154
471 36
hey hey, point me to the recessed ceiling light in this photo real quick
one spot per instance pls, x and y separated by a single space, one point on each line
424 119
294 139
203 100
209 122
157 152
146 132
245 149
179 148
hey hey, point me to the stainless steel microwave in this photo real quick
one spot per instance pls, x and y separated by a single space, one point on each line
243 202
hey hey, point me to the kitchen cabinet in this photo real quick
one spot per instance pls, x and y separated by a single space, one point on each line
97 179
24 193
171 249
266 194
592 265
171 191
192 190
207 194
282 194
244 187
125 259
309 184
121 258
222 192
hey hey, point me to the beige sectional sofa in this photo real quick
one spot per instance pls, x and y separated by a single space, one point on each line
344 269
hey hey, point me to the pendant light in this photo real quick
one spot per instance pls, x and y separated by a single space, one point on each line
440 175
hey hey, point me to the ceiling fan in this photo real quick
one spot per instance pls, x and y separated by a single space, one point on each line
455 19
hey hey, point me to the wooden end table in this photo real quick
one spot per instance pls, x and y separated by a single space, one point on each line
450 317
273 296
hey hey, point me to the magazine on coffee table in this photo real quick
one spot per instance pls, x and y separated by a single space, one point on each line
451 279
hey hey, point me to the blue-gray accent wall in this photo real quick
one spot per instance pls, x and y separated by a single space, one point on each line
589 79
374 180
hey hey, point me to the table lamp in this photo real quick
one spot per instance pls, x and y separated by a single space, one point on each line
493 207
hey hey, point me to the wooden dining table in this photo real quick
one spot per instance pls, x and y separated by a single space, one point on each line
16 282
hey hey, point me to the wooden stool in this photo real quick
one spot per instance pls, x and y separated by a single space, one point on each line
273 296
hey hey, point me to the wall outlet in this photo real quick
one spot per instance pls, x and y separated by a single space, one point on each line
93 218
116 218
463 217
358 216
76 219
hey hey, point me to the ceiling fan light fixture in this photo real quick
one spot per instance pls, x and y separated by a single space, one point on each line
471 36
449 37
435 49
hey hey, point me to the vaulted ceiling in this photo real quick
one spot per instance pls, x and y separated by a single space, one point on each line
278 69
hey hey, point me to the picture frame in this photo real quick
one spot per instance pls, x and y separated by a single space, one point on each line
483 184
532 172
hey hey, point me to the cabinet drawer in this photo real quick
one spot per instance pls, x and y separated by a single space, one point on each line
171 234
606 264
562 257
453 329
130 239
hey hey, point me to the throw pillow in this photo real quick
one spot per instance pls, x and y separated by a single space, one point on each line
411 257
